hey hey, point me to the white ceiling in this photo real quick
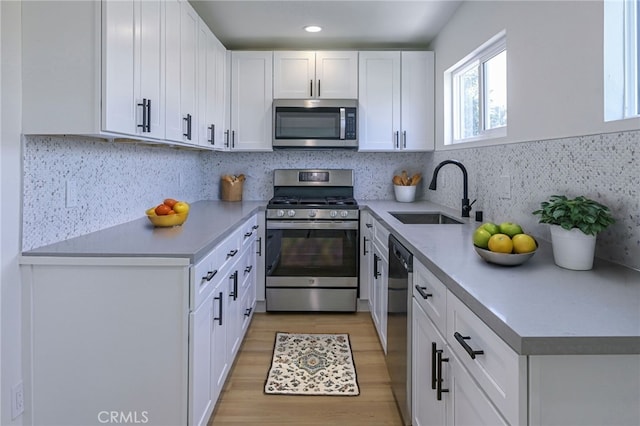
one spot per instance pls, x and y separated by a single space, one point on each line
356 24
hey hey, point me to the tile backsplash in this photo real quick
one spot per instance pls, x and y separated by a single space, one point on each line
603 167
116 182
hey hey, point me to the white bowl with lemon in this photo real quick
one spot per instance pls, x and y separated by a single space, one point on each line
505 244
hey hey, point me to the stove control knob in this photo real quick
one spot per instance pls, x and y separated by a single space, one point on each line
344 213
312 213
333 213
291 213
280 213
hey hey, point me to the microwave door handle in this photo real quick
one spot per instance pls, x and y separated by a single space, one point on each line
343 123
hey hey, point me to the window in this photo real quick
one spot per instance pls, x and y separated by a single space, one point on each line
476 94
621 45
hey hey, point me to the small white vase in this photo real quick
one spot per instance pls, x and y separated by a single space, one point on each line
405 194
572 249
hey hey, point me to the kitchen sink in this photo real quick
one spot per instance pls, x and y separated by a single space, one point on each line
424 218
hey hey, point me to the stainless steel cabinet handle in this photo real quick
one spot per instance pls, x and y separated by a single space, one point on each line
397 140
233 139
364 246
318 87
234 293
247 312
404 139
188 120
226 138
248 269
461 339
248 234
259 241
311 88
232 253
434 351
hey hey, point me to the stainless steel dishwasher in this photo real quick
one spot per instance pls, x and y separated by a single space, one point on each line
399 325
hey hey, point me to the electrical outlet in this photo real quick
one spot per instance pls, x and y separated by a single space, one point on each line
71 194
17 400
504 187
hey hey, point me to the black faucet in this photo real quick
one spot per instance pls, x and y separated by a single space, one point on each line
466 207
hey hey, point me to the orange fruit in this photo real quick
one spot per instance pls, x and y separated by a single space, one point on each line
163 210
170 202
523 243
500 243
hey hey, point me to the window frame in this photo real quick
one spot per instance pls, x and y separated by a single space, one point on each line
621 59
476 59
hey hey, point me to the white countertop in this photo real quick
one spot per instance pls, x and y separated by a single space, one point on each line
536 308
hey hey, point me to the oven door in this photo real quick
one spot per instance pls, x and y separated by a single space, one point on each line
309 254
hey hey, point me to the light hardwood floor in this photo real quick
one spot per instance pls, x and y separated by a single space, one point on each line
243 401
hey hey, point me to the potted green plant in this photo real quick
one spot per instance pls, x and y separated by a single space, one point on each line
575 224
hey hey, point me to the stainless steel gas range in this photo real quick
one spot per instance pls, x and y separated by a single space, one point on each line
312 241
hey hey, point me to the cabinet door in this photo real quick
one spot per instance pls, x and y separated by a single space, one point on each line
188 72
417 101
366 255
251 99
219 354
293 75
381 267
119 112
469 405
222 102
149 75
173 117
206 85
336 75
379 99
200 323
427 409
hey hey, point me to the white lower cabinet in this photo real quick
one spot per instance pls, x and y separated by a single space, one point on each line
428 410
200 377
378 284
150 338
485 382
462 375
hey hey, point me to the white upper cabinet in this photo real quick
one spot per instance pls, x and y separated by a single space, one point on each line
322 74
181 68
251 99
121 69
396 101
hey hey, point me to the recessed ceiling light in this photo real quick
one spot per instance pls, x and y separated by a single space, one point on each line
312 29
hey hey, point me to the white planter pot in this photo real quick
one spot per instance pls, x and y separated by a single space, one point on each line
572 249
405 194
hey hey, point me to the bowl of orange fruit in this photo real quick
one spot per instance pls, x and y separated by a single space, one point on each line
169 213
504 244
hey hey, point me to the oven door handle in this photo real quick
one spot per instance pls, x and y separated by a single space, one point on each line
303 224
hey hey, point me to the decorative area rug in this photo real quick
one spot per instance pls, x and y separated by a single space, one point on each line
312 364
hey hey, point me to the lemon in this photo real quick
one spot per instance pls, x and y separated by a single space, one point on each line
500 243
523 243
151 211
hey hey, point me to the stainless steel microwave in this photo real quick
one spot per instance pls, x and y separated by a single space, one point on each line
315 123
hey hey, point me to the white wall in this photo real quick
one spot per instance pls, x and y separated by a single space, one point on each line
10 194
554 64
555 104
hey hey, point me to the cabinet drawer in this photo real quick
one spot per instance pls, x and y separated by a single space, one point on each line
381 237
431 294
500 372
229 250
249 231
202 279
